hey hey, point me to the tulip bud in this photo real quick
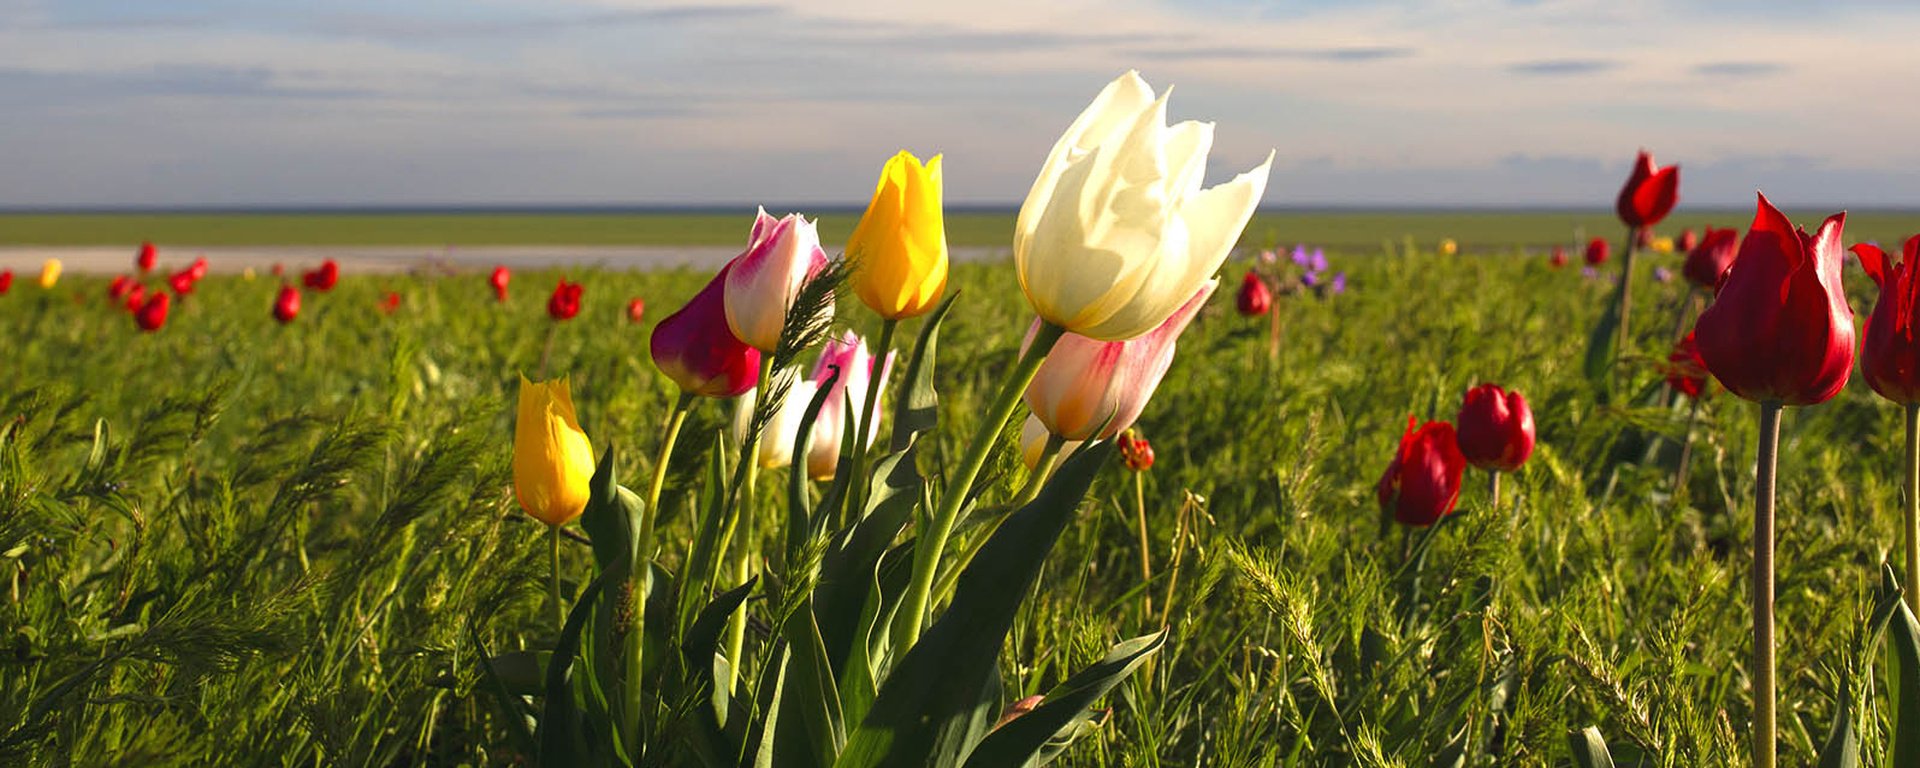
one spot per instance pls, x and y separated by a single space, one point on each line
1687 240
564 304
1496 428
146 258
1085 384
247 274
324 278
1254 299
636 309
1423 481
499 280
279 269
845 365
181 282
1685 371
153 312
117 290
1649 194
49 273
552 459
198 269
6 281
1780 329
694 347
781 255
1597 251
1890 358
1135 451
286 306
1117 234
1448 247
136 297
1707 261
390 303
1558 258
899 249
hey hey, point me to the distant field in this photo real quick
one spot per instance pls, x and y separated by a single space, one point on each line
1474 230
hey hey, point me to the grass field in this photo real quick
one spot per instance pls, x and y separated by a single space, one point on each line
1356 230
233 542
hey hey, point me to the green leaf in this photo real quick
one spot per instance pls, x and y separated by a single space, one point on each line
918 408
940 697
1600 341
511 705
605 519
695 579
561 739
799 501
810 692
1032 739
1905 683
1589 749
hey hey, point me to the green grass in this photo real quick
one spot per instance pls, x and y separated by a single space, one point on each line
1357 230
233 542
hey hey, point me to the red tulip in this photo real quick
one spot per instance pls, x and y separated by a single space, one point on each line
198 269
136 297
117 289
6 281
1136 451
286 306
182 281
1687 240
324 278
279 269
1254 299
1558 258
499 280
1597 251
1649 193
696 349
1643 238
1890 353
1708 261
1496 428
1781 330
565 302
636 309
153 313
146 258
390 303
1423 482
1686 372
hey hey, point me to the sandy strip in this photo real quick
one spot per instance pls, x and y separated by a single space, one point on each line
398 258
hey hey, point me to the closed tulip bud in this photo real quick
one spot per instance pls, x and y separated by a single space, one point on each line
147 258
1135 451
1086 384
1649 194
181 282
6 281
1685 371
499 280
1558 258
153 312
1890 355
899 249
694 347
1708 260
1687 240
117 290
198 269
390 303
1423 481
286 306
552 459
1254 299
324 278
846 366
636 309
1780 330
279 269
564 304
1448 247
136 297
1597 251
1496 428
1117 234
781 255
49 273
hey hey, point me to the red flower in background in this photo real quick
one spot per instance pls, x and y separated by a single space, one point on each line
1254 299
286 305
1890 355
390 303
117 290
153 312
1649 193
324 278
1597 251
1687 240
565 302
136 297
1496 428
1558 257
636 309
1135 451
198 269
182 281
1707 262
1780 330
499 280
1686 372
6 281
279 269
147 258
1423 482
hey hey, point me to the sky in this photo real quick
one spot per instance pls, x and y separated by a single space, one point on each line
1426 103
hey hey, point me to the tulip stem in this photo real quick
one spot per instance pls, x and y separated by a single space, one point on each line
553 554
1146 554
742 518
1273 333
676 419
933 541
1764 727
1049 456
1913 507
1493 489
863 434
1625 301
1686 452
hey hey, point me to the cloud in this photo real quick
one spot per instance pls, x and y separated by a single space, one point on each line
395 27
1557 67
1738 69
1361 53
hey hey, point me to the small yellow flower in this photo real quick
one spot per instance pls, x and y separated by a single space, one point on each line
247 274
552 460
49 273
1663 245
1448 247
900 246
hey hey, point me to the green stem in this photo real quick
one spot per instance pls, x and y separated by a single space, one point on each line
1686 452
1049 456
933 542
546 351
676 419
743 517
1493 489
553 595
863 433
1913 507
1625 292
1764 725
1146 555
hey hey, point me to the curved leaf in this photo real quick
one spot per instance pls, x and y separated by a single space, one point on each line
1025 742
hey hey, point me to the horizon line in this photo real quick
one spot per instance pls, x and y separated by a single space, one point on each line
723 208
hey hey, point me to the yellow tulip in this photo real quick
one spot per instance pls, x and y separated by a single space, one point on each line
552 460
1448 247
1117 233
1663 245
49 273
900 247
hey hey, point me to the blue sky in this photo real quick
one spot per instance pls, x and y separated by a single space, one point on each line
1424 102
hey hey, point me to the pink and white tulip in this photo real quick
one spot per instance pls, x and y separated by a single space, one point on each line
1086 383
781 255
848 394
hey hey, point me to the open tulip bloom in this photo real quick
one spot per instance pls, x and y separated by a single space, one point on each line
1422 482
764 280
1890 359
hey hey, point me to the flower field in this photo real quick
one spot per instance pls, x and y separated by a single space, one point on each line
472 518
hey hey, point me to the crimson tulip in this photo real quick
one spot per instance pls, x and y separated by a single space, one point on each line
136 297
636 309
1780 329
1558 258
198 269
6 281
117 289
1496 428
1135 451
1707 261
1686 372
1649 193
286 306
1254 299
181 282
1597 251
1687 240
1423 481
1890 355
279 269
324 278
153 312
696 349
564 304
499 280
147 258
390 303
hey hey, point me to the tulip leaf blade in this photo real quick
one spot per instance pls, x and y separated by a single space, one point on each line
508 699
1589 748
1033 739
561 740
1905 683
1599 359
696 573
810 690
918 408
940 698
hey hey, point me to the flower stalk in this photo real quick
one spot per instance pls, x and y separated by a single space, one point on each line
1764 726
